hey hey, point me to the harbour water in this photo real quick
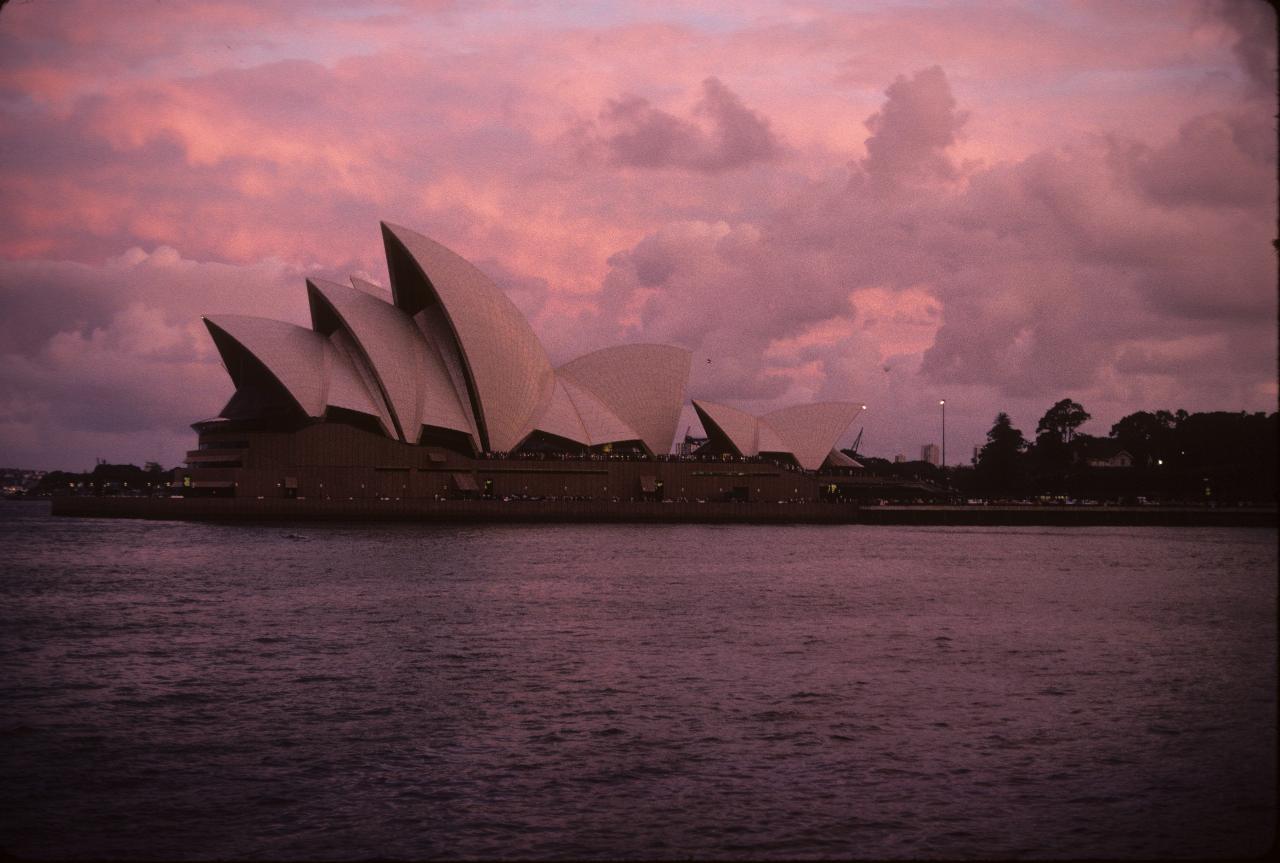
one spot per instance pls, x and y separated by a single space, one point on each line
192 691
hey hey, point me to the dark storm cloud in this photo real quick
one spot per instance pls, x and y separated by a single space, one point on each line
1254 23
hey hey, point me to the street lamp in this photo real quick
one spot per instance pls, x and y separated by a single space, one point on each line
943 404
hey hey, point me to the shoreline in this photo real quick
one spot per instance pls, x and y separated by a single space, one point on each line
653 512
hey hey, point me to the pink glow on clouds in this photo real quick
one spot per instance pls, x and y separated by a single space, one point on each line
1002 203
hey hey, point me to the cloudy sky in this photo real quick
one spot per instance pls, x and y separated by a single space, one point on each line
892 201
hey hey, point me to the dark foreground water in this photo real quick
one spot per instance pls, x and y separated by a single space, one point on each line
194 691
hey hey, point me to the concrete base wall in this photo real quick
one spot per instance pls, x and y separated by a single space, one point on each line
335 462
497 511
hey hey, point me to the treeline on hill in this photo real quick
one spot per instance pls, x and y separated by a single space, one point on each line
105 479
1215 457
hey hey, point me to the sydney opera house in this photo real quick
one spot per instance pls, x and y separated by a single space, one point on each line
441 390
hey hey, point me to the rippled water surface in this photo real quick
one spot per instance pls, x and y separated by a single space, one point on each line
319 691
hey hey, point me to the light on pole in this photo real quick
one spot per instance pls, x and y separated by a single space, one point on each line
943 404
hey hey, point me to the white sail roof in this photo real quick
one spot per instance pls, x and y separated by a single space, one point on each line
510 379
642 385
412 376
449 350
838 459
434 327
370 288
738 427
295 356
561 418
351 385
808 433
812 430
602 425
768 439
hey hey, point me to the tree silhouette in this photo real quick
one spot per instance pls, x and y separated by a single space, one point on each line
1147 436
1053 449
1061 421
999 465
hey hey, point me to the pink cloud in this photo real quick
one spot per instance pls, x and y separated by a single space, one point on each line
1000 201
1217 159
639 135
910 135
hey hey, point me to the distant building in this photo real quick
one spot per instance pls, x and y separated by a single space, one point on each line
17 481
929 453
1103 452
899 458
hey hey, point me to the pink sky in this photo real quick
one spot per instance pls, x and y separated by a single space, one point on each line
1001 204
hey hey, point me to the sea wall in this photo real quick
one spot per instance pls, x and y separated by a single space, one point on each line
276 509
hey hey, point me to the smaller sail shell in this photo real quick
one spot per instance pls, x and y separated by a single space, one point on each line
561 418
808 433
737 427
642 385
295 356
602 425
811 431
